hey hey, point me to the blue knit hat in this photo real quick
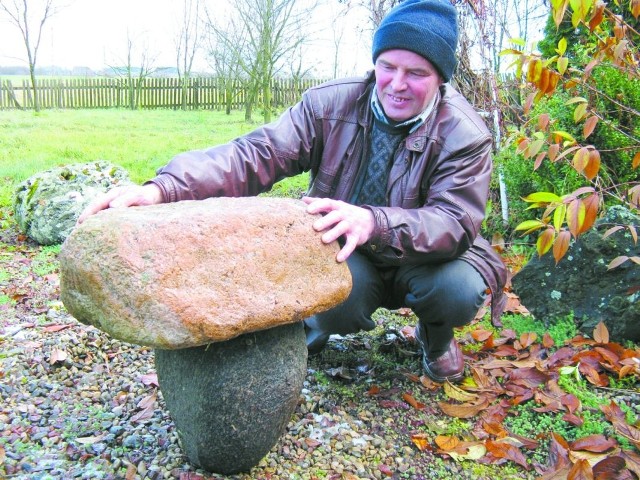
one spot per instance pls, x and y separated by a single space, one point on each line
426 27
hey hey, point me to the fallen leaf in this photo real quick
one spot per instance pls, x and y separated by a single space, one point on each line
57 355
581 470
410 399
457 393
373 390
601 333
147 401
447 442
55 328
507 451
385 470
571 402
593 443
150 379
468 451
609 468
3 455
465 410
312 442
547 341
632 461
420 440
480 335
527 339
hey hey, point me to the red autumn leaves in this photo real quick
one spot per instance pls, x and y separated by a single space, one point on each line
509 370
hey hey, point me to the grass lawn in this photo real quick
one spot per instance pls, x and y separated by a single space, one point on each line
141 141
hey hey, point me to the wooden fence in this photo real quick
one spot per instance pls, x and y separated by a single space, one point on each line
200 93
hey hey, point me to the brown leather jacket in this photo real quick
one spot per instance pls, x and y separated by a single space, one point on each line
437 190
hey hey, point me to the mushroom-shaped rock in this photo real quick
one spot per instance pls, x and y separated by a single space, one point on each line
190 273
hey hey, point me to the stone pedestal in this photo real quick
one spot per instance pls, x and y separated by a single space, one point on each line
231 401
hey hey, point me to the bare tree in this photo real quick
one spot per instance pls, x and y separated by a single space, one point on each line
274 30
29 16
187 44
225 47
137 66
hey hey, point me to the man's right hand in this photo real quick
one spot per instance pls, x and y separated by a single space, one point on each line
120 197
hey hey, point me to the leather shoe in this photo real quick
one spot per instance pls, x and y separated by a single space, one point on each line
448 366
316 340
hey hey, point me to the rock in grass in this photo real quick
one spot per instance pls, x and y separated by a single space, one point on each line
190 273
47 205
232 400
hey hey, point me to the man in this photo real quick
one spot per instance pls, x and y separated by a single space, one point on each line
400 168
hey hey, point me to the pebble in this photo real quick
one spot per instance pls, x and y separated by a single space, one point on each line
94 395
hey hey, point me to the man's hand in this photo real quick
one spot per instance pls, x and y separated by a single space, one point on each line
119 197
341 219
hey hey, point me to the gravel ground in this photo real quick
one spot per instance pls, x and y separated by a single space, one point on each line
75 403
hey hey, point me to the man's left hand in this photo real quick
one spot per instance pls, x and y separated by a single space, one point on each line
341 219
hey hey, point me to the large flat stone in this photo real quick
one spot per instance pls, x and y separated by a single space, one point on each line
190 273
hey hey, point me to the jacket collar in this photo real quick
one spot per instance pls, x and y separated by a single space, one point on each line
417 139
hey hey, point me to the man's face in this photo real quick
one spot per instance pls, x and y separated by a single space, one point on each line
406 83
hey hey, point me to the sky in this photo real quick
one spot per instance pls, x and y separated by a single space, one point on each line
93 33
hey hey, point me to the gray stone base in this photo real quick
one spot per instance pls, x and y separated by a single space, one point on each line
231 401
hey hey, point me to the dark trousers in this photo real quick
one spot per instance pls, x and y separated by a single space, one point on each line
443 296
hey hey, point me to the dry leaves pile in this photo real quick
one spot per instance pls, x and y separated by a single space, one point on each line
507 371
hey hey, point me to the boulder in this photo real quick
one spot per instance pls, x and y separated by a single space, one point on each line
231 401
47 205
190 273
581 284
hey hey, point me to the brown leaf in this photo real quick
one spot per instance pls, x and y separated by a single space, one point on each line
530 377
55 328
57 355
150 379
385 470
632 460
559 474
480 335
3 455
409 333
410 399
312 443
373 390
573 419
526 339
601 333
571 402
593 443
581 470
447 442
609 468
147 401
465 410
558 452
420 440
507 451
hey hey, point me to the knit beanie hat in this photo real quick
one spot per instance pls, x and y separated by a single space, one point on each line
426 27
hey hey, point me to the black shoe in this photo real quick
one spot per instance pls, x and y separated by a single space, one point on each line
316 340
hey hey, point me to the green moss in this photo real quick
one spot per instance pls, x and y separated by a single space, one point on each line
560 331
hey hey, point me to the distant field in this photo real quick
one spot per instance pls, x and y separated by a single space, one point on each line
140 141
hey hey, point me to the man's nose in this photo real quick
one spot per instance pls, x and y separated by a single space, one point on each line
399 83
